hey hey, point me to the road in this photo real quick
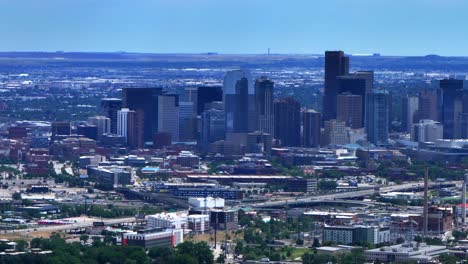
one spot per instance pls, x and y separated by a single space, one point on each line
81 222
347 195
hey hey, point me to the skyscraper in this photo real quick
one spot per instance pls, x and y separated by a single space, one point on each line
208 94
349 110
452 107
429 105
377 117
109 108
213 127
168 115
239 102
264 105
288 121
145 102
311 128
336 64
187 121
410 109
358 83
123 122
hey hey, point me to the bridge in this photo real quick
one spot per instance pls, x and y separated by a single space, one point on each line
163 200
342 196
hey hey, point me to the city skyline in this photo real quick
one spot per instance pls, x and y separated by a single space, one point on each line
386 27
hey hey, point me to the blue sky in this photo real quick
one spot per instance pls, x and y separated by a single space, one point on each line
390 27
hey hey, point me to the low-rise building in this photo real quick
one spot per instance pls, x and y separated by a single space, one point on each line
356 234
417 252
198 223
176 220
224 219
152 238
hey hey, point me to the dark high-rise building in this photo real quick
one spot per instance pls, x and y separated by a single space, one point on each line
377 116
89 131
109 108
311 128
145 102
336 64
208 94
168 115
239 102
452 107
213 127
358 83
429 105
60 129
288 121
264 105
350 109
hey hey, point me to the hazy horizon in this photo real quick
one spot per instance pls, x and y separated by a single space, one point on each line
395 28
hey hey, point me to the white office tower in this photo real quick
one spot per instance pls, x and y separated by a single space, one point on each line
239 102
122 123
427 131
168 115
102 123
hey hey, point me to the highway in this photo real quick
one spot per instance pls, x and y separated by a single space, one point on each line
81 222
348 195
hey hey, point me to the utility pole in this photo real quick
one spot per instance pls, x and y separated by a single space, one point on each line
426 198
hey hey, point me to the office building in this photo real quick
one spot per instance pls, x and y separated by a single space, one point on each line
350 110
187 122
206 203
264 105
335 133
144 101
168 115
311 128
427 131
122 122
409 111
108 176
408 252
191 95
224 219
109 108
452 107
176 220
102 123
358 83
89 131
153 238
356 234
239 102
206 95
429 105
60 129
198 223
259 142
288 121
377 117
213 127
336 64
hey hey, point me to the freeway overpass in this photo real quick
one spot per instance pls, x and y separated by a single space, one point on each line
349 195
81 223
